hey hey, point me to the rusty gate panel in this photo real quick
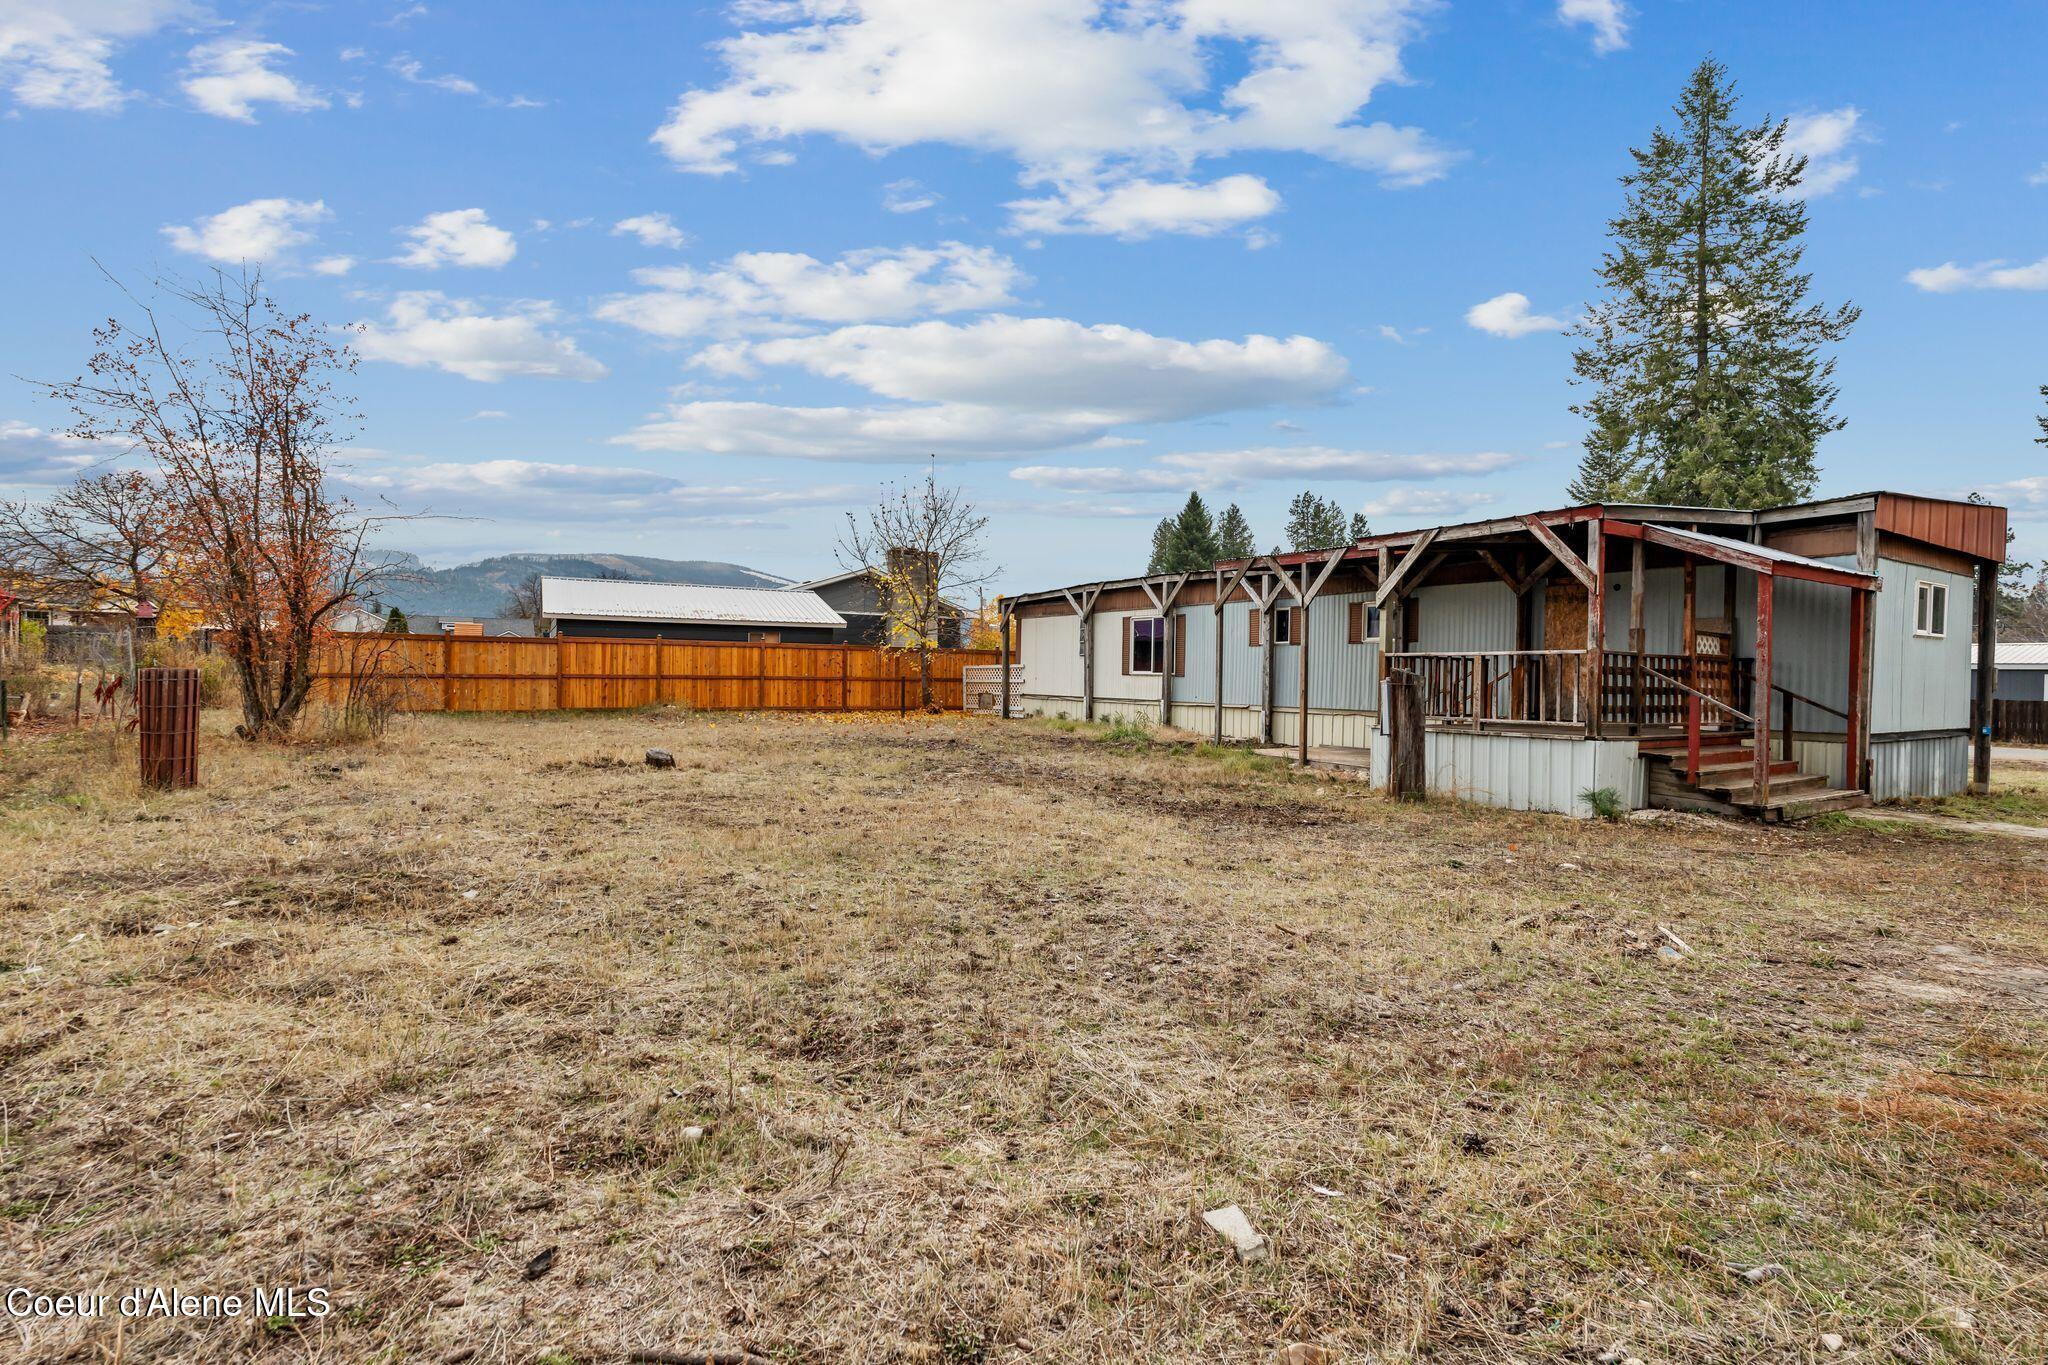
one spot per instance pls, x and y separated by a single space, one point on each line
167 715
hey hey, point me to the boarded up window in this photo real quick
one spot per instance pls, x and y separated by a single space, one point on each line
1180 647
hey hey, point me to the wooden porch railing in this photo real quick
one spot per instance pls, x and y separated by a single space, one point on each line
1649 690
1498 686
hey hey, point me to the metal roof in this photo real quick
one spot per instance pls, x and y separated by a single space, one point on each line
1751 548
2017 654
612 599
829 580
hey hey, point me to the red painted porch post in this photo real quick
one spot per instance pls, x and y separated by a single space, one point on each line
1760 701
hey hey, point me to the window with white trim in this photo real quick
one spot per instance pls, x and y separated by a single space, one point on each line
1930 610
1148 643
1283 625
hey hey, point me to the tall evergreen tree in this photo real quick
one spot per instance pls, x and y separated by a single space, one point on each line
2042 422
1194 538
1313 522
1705 354
1162 546
1612 471
1234 535
1360 526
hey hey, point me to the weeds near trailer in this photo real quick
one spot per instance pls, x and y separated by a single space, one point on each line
1125 731
1604 802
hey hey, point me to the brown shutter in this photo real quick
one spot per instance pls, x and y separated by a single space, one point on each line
1252 637
1127 646
1180 647
1354 623
1297 625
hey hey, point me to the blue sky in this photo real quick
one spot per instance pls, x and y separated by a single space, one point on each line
691 280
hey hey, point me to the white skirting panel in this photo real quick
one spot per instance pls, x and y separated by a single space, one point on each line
1829 757
1524 772
1239 723
1935 765
1334 729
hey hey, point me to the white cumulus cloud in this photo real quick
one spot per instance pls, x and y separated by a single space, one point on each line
54 54
1231 468
229 78
1826 140
515 489
761 288
33 457
260 230
427 329
653 229
1082 94
457 237
989 388
1608 19
1950 278
1140 208
1508 315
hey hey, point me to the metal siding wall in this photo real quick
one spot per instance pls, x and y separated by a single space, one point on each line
1111 682
1919 684
1528 772
1934 766
1197 686
1463 617
1342 676
1810 647
1241 663
1663 607
1049 648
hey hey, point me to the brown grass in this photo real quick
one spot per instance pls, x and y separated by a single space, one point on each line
976 1019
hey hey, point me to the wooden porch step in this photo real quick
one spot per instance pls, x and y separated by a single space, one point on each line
1742 791
1655 745
1806 805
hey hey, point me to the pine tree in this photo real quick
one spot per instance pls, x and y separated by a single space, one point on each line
1360 527
1314 523
1162 546
2042 422
1194 538
1234 535
396 624
1705 355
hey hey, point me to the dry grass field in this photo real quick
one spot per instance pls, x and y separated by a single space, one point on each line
872 1040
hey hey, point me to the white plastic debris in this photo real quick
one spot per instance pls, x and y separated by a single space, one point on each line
1230 1223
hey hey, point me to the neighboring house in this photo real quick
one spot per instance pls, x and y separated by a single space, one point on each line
1562 652
429 623
355 620
623 609
856 596
2022 671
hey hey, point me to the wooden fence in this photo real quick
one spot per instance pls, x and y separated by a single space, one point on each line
475 673
2016 722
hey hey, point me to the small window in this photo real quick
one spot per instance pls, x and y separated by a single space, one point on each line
764 637
1930 610
1283 625
1148 644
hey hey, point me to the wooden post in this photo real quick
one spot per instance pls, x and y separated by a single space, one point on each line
1690 623
1760 701
1987 674
1166 630
846 676
1866 562
1852 746
1088 659
6 716
1004 660
1218 631
1301 669
1386 646
1692 737
1405 776
1268 596
1594 671
1636 638
447 671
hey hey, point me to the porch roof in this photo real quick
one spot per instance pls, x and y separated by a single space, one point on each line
1746 555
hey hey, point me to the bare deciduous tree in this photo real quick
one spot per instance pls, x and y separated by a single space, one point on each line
241 416
524 599
104 540
922 547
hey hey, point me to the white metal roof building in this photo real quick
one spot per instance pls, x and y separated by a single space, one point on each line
2022 670
687 611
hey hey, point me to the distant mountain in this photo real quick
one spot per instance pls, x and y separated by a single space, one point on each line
480 589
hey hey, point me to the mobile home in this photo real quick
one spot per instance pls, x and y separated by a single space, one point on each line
1777 662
